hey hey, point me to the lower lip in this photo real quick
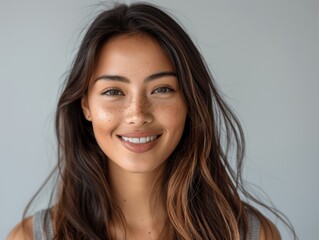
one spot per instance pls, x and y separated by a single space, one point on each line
141 147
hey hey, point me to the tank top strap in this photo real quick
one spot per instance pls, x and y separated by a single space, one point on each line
42 225
254 226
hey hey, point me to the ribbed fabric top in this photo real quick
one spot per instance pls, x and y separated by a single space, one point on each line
43 227
253 227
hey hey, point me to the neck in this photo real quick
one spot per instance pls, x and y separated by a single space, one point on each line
134 193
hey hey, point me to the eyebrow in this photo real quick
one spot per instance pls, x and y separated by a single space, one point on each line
126 80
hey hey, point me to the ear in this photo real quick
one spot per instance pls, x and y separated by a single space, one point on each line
85 108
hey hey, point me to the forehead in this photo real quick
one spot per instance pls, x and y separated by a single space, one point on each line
132 53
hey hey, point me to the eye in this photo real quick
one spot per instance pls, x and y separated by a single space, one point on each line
113 92
163 90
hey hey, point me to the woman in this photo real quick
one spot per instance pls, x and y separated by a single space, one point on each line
144 141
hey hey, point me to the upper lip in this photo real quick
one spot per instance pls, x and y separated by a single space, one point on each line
139 134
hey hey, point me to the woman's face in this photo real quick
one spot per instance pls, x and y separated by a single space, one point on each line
135 104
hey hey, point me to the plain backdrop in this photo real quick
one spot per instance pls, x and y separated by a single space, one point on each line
263 54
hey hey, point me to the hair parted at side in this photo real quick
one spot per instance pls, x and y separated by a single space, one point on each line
200 188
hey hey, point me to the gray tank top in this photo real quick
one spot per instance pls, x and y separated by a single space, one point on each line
43 227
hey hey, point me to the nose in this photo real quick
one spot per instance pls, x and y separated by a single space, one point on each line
139 111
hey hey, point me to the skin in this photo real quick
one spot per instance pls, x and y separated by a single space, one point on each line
140 101
134 93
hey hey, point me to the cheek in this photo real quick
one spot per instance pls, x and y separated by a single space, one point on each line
173 115
106 117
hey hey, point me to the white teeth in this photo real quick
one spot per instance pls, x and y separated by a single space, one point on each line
140 140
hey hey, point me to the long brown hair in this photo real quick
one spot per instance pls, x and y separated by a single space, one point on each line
200 188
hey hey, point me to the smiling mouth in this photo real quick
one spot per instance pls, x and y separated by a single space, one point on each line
141 140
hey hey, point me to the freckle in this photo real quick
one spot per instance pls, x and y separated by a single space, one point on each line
149 232
124 200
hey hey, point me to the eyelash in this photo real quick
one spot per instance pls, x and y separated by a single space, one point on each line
111 91
117 92
166 90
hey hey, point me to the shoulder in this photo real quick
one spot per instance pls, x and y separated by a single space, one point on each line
268 231
22 231
260 227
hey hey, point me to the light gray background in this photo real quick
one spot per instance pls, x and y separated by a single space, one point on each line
264 55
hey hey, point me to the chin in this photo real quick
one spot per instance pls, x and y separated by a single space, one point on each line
140 167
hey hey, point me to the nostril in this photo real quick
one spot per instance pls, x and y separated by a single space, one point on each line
139 118
138 111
